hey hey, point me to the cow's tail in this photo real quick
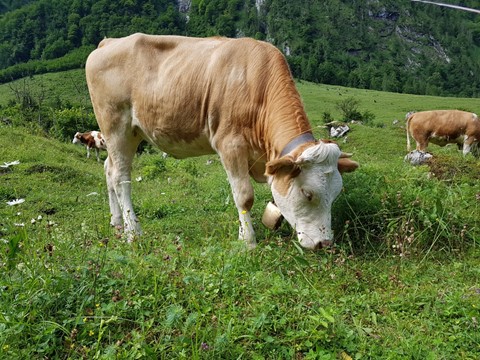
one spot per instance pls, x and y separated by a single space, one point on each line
408 117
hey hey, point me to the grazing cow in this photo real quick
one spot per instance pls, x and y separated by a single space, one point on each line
92 140
443 127
235 97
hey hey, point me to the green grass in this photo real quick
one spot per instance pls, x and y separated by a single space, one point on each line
402 283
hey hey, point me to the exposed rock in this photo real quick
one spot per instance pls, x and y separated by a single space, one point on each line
184 5
337 129
417 157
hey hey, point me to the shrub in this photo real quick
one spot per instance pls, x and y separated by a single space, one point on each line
327 117
402 219
66 122
350 111
154 167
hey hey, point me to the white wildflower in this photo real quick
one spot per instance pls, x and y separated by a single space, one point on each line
19 224
33 221
39 217
138 179
15 202
8 164
93 194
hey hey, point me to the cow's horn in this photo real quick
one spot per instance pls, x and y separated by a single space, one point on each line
345 155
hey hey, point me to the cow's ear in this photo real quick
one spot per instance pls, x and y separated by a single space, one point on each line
283 166
346 165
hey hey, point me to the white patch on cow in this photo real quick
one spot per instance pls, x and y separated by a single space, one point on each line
466 147
307 204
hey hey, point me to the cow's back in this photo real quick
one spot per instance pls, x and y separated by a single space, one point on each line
441 123
180 89
440 118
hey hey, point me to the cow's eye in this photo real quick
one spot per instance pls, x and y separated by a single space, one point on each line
307 194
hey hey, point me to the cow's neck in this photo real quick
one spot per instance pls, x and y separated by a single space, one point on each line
286 125
297 141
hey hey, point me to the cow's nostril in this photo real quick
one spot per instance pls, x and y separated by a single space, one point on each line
326 243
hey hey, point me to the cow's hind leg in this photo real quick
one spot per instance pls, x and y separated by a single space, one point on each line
115 210
118 173
422 144
234 157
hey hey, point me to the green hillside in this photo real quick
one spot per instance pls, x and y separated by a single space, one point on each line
401 281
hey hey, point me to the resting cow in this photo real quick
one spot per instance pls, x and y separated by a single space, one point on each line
92 140
443 127
235 97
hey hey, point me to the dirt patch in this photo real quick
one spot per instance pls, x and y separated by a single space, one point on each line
451 169
61 173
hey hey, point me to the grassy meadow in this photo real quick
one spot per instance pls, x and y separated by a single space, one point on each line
403 281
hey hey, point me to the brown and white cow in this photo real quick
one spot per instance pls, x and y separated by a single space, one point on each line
92 140
443 127
235 97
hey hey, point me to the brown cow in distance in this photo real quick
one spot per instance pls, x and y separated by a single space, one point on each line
92 140
443 127
233 97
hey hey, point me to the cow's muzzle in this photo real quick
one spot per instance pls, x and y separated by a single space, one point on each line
312 245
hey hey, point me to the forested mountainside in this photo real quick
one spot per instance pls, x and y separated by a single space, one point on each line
390 45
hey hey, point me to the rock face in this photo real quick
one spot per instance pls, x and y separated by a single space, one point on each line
259 4
184 5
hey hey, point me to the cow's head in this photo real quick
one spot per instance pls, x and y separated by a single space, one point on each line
76 138
304 185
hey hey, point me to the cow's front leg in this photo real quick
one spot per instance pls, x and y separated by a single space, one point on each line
235 161
467 144
88 152
243 195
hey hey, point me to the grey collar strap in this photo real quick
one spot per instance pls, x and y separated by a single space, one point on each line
299 140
